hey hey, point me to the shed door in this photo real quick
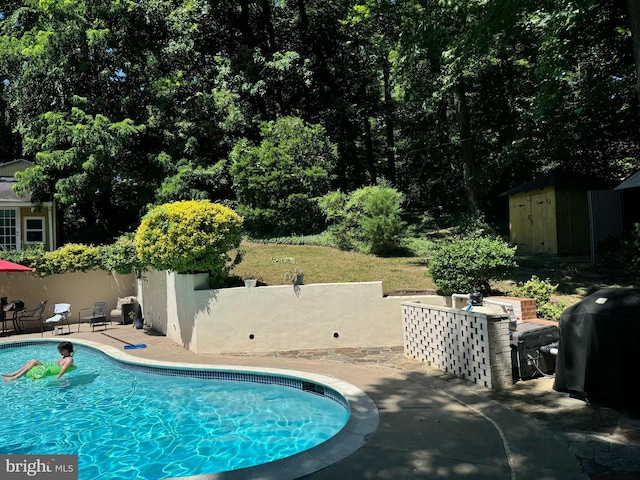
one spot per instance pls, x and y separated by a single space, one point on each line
533 222
543 222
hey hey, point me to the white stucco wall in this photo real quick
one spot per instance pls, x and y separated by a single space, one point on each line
271 318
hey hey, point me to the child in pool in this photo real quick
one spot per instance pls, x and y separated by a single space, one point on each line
36 369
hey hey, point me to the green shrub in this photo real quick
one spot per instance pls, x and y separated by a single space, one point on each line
33 257
368 219
468 265
473 225
419 247
551 311
540 291
121 256
189 236
277 181
72 257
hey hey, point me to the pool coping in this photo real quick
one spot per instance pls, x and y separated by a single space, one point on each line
360 427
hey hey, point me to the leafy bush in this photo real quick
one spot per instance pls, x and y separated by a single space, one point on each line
277 181
121 256
369 219
419 247
468 265
540 291
33 257
551 310
72 257
189 236
473 225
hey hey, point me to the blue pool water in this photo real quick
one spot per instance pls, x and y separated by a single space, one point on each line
125 423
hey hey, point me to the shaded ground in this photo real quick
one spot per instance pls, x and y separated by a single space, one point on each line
576 277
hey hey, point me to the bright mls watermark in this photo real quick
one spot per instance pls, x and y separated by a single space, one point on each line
53 467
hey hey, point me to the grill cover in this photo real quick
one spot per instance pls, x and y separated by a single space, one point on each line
599 343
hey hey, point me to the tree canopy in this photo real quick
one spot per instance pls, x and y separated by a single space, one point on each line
126 105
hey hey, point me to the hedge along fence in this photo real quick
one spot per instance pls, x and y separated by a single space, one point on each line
187 236
120 257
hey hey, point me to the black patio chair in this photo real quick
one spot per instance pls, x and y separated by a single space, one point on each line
96 317
20 317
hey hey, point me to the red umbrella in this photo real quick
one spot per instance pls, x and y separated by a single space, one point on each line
7 266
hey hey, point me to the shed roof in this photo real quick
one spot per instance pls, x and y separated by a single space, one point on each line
632 182
559 178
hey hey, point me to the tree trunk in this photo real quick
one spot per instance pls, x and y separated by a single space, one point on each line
466 148
369 151
634 19
389 124
268 19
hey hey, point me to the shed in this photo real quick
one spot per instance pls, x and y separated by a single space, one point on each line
550 214
630 190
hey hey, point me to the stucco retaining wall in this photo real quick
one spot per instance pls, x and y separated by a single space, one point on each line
271 318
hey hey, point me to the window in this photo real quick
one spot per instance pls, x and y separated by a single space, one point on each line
8 233
34 230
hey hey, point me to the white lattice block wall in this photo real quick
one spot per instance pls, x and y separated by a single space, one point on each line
470 345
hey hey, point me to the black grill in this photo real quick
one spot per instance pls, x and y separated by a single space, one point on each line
531 350
599 341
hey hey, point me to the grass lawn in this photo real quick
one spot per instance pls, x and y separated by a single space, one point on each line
576 277
269 262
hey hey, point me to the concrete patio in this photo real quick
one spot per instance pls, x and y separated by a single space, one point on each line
432 425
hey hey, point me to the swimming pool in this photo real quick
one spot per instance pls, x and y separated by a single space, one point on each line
108 414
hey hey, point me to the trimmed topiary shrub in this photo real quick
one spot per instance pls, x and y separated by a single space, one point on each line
469 265
188 237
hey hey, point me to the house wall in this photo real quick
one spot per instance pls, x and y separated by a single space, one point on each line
272 318
46 212
25 209
80 289
532 221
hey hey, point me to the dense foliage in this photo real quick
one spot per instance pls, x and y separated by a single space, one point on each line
121 256
72 257
368 219
122 105
277 182
540 291
189 236
469 265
